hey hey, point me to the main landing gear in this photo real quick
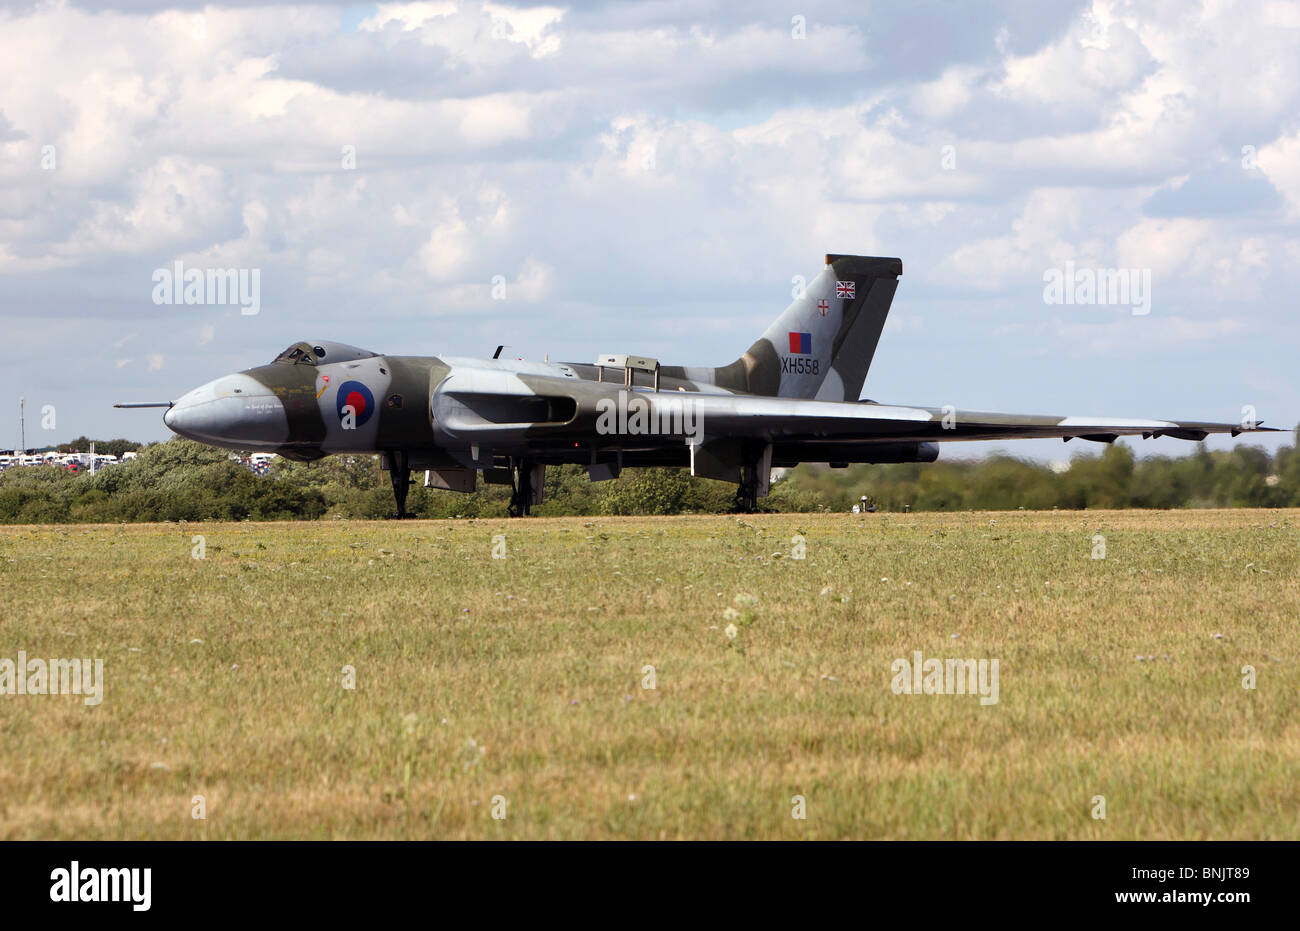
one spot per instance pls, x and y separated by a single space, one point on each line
755 479
747 491
526 480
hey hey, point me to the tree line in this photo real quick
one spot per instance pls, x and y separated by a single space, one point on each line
183 480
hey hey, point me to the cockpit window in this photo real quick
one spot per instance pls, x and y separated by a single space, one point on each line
298 354
323 352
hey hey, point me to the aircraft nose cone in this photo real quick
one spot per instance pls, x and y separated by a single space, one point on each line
236 411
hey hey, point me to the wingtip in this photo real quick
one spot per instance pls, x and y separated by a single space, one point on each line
1258 427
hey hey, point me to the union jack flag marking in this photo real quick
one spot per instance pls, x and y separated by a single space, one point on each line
845 289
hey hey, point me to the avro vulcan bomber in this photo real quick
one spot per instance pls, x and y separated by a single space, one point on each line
793 396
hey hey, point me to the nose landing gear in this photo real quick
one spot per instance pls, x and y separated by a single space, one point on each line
399 470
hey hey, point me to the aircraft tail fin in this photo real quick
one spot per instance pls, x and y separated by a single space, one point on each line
822 345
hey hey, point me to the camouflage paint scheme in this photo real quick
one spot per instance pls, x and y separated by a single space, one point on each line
792 397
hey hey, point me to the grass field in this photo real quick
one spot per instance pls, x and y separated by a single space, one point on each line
523 678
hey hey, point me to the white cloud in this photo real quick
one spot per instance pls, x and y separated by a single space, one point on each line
1280 163
1158 330
1167 247
637 162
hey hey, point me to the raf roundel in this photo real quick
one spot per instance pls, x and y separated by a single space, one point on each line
358 396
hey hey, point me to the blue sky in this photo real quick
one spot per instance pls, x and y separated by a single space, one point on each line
649 177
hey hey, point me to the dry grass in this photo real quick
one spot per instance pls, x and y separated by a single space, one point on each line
522 678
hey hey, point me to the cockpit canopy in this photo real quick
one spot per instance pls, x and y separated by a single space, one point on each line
322 353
